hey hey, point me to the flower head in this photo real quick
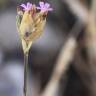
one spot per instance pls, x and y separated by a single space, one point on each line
31 23
26 7
44 7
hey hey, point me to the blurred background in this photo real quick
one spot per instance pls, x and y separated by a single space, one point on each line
76 81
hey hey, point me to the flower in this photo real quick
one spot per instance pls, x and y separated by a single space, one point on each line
31 23
26 7
44 7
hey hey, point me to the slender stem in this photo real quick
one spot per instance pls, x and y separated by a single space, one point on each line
25 73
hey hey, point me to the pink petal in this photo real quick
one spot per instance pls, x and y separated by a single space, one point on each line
50 9
41 4
23 5
29 5
47 5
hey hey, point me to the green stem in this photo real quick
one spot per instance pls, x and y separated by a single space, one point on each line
25 73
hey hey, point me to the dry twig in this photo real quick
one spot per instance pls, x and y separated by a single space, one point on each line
65 57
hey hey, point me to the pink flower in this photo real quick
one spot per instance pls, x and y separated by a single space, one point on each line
26 7
44 7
